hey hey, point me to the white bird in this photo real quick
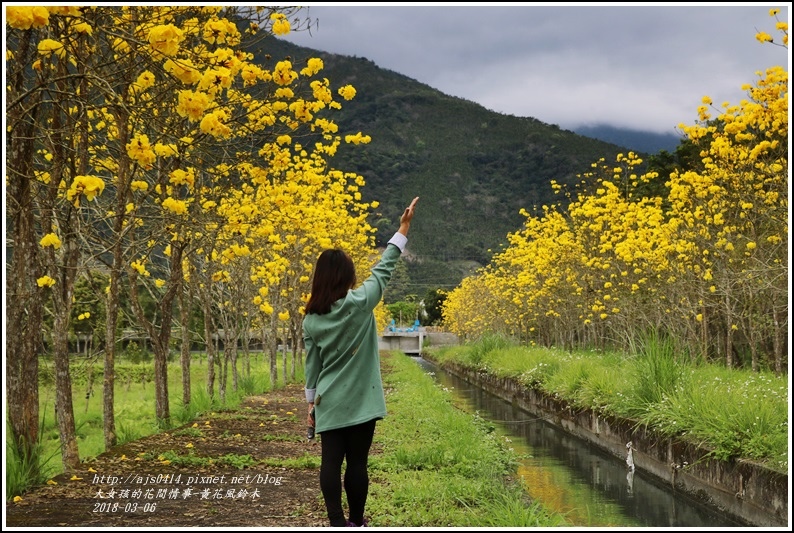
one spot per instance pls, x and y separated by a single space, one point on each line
630 456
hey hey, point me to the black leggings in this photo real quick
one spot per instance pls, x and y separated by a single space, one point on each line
352 444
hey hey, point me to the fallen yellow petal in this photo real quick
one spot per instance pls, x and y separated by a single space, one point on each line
91 470
51 482
17 498
75 478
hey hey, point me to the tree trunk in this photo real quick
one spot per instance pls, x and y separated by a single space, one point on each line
161 336
184 359
284 358
705 334
235 374
112 301
64 408
777 343
729 336
108 379
274 364
247 350
24 313
271 349
294 335
223 364
210 345
162 409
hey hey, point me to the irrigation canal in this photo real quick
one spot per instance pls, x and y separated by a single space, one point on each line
572 477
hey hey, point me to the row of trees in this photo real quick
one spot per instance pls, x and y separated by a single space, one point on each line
160 154
699 253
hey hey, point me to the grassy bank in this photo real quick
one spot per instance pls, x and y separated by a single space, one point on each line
735 412
439 466
134 408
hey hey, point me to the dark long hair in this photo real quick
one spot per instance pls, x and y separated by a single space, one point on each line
334 275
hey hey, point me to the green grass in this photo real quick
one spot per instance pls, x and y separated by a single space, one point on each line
440 466
304 461
134 409
736 413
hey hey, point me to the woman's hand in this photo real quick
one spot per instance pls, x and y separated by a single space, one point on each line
309 419
408 214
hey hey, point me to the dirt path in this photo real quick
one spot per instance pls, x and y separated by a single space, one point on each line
192 475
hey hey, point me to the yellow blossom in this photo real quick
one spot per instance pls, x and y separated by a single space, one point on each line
193 104
281 25
25 18
45 281
348 92
138 185
88 186
139 267
48 47
141 151
763 37
183 70
83 27
175 206
313 66
164 40
50 239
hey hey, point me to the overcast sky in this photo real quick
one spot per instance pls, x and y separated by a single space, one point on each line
635 66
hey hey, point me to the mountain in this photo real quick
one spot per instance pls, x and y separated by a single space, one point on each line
640 141
472 168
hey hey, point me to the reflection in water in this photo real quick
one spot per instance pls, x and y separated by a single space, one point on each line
575 478
630 481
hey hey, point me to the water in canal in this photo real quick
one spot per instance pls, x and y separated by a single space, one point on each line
573 477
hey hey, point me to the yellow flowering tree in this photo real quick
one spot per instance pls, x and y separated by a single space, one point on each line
734 214
52 189
163 101
704 259
24 280
294 208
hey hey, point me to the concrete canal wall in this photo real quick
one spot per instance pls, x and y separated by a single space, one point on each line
748 492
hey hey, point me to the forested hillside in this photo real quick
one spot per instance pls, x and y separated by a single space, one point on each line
474 169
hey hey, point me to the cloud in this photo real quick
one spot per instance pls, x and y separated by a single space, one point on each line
638 66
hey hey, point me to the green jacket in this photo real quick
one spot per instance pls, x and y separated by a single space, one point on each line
342 361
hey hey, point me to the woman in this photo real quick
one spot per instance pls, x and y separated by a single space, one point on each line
343 381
